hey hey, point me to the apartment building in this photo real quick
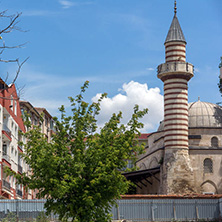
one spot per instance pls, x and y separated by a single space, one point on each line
10 124
37 116
47 124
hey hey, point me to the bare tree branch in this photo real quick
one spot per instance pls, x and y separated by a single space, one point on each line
12 24
12 47
19 69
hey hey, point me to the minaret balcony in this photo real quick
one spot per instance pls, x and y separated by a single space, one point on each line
175 68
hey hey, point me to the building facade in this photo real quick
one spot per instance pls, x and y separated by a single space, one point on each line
11 124
185 154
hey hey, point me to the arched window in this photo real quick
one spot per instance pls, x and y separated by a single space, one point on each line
214 141
208 165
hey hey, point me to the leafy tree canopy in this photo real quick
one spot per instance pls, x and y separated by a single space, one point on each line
220 65
79 170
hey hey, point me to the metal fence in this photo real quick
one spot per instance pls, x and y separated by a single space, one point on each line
130 209
167 209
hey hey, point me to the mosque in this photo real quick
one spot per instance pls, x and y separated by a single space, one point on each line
185 154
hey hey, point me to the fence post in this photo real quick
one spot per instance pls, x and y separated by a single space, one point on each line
118 214
174 211
219 204
17 210
152 211
197 212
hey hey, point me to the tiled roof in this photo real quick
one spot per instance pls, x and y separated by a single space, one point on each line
174 196
144 136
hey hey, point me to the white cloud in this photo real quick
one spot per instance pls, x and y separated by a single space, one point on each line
67 4
150 69
50 91
197 69
135 93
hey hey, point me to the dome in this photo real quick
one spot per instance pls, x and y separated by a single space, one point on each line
202 114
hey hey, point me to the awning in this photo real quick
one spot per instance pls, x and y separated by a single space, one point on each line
139 175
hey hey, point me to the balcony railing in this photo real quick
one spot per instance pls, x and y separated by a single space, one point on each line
20 147
6 157
6 184
19 192
175 67
7 130
20 169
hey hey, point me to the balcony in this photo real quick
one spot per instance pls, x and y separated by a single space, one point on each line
20 168
19 192
7 132
20 147
6 184
6 157
175 68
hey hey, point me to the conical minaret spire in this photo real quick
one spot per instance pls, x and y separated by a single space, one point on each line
175 73
175 43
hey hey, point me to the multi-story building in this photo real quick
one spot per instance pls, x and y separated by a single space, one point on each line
37 116
47 124
10 124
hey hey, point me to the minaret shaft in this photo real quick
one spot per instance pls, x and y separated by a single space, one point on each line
175 114
175 73
175 52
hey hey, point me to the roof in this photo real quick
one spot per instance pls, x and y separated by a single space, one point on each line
143 136
172 196
140 175
29 106
175 32
40 110
204 114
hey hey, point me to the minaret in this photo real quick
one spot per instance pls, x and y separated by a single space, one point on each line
175 73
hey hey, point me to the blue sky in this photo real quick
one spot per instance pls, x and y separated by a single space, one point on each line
116 45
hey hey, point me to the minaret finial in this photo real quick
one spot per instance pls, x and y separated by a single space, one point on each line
175 7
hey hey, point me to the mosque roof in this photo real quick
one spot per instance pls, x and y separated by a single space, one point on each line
175 32
202 115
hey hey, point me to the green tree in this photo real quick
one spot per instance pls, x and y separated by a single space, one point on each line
79 171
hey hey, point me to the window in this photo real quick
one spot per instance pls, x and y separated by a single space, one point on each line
208 165
35 121
214 141
11 106
22 111
4 149
16 131
12 127
51 124
15 110
46 121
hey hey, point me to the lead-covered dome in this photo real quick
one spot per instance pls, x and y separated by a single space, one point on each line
203 114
